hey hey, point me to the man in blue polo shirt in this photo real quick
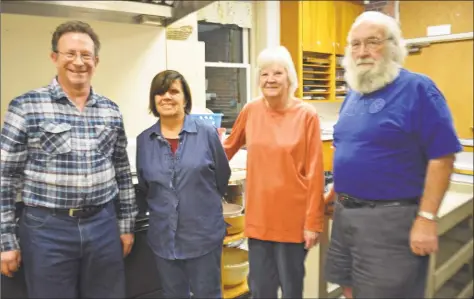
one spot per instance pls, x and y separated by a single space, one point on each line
394 154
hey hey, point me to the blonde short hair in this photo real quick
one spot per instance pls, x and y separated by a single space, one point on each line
281 56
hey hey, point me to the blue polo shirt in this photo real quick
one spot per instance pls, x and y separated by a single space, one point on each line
385 139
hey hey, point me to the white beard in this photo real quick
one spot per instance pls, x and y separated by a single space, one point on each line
369 80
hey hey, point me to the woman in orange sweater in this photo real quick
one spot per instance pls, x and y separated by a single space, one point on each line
285 181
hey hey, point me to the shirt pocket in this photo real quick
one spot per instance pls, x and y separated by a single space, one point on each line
55 138
106 137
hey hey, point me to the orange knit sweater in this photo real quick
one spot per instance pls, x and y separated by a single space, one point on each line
285 180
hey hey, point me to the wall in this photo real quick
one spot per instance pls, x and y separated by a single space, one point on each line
178 58
130 56
387 7
265 33
416 16
449 64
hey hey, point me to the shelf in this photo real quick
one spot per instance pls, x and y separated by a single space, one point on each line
467 291
315 92
310 85
459 286
316 72
232 238
315 79
453 264
236 291
315 65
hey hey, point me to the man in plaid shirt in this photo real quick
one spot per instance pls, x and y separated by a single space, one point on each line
64 147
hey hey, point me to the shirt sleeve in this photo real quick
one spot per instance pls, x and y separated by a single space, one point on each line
13 155
127 206
237 137
221 164
435 126
315 174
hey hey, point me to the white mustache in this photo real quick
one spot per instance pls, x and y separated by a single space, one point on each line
366 60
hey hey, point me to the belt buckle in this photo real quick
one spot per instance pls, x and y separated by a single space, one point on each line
71 212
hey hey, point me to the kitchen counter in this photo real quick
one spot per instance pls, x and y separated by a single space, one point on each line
467 142
326 137
457 195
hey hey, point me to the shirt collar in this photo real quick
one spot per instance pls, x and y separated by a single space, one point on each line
189 126
57 93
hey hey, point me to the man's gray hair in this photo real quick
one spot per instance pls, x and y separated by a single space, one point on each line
392 32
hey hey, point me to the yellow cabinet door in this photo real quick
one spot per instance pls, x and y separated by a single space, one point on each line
324 12
328 155
307 29
346 12
318 26
341 24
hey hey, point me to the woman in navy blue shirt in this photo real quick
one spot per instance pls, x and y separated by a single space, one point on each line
184 172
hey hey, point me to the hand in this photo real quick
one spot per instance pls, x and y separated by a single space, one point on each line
127 243
10 262
424 237
310 239
329 198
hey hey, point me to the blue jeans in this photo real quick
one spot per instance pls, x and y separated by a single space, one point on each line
201 276
65 257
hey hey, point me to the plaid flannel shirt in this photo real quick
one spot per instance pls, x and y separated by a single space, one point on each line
60 157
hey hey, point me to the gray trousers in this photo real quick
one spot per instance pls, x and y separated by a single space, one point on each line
370 252
274 265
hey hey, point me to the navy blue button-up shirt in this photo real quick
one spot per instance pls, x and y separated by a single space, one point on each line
183 190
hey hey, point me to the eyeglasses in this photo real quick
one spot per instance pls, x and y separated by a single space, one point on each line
72 56
369 44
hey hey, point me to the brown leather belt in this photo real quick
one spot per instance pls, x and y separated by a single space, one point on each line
351 202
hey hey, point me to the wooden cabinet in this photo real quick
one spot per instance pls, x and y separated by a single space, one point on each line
315 33
345 14
328 154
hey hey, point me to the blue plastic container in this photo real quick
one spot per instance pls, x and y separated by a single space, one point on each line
214 118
